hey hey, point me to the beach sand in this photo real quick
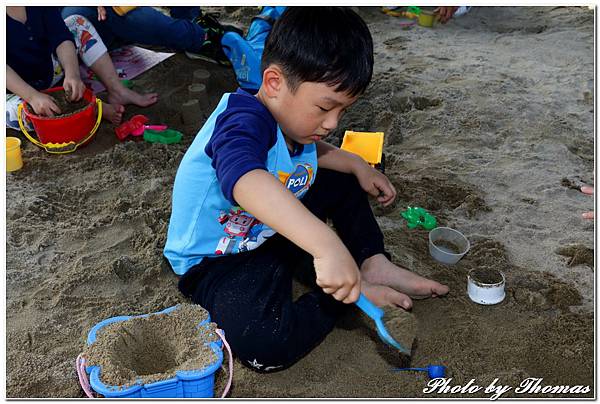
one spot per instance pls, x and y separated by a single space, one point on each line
488 124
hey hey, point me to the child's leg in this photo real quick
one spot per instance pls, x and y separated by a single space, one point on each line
148 26
94 54
91 14
88 42
339 197
249 295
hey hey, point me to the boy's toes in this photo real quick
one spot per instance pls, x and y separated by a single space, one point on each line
439 290
401 300
434 289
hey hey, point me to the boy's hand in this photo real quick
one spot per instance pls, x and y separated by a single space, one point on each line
43 104
337 275
74 88
376 184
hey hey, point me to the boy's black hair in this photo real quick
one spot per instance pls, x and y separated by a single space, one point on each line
321 44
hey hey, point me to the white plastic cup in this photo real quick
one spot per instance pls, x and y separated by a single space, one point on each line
445 255
485 293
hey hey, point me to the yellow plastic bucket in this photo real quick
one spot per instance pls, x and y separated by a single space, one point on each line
426 19
13 154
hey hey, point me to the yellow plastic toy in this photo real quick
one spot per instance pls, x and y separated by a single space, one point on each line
427 19
368 145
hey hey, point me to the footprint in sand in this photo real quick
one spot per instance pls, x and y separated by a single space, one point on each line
543 291
403 104
577 254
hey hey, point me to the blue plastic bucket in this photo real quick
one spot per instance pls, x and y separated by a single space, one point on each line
197 383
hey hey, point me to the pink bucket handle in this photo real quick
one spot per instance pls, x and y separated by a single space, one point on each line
221 334
83 380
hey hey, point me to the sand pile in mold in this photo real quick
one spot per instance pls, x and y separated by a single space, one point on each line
153 348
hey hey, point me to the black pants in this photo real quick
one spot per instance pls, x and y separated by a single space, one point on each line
249 294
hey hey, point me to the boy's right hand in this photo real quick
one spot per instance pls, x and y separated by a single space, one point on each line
338 275
43 104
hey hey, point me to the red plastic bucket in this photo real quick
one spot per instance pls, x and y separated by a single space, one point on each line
64 134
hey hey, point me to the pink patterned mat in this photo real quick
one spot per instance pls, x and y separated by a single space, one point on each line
130 61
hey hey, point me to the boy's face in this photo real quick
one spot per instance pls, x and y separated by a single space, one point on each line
311 112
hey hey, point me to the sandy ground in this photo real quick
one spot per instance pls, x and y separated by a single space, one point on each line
489 125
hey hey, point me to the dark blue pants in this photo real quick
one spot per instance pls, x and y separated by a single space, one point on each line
249 294
146 26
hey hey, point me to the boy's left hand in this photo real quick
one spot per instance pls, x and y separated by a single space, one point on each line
74 87
375 183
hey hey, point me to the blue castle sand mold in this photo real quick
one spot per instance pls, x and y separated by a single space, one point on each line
198 383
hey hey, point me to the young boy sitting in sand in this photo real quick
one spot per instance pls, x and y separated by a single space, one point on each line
41 52
254 191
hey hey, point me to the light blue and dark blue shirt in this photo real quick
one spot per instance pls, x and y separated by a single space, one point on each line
240 135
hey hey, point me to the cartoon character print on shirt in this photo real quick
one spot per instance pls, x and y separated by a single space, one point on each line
258 234
299 181
237 224
240 224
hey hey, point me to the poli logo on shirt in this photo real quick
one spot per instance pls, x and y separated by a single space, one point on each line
299 181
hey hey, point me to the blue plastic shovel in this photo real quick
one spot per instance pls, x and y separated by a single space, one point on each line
377 315
433 371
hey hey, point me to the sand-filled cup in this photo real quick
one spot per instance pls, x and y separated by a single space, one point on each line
14 161
486 286
447 245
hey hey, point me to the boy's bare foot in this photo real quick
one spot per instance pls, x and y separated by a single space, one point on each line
123 95
112 113
382 295
379 270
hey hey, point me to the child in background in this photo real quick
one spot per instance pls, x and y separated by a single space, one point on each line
41 52
185 30
255 189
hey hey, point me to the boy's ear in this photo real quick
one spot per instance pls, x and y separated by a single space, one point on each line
273 81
